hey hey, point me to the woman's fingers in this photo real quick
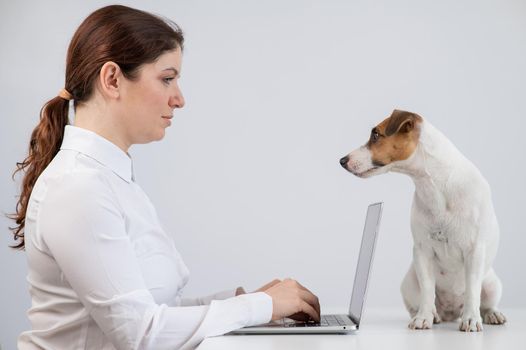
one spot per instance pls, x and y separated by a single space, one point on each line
311 299
300 316
305 294
292 299
309 310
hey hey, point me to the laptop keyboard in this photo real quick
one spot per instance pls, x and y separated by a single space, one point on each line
325 321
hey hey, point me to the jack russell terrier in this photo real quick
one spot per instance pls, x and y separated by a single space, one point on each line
454 227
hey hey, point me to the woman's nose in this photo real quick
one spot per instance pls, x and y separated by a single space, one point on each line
177 100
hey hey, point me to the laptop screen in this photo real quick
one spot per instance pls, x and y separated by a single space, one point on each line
365 259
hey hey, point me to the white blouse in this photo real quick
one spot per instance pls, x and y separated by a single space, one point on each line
103 274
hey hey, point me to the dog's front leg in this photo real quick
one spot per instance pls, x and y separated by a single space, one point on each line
474 270
423 263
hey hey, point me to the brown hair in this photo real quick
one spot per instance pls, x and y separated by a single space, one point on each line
126 36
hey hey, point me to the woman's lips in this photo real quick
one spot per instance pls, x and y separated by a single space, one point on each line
167 118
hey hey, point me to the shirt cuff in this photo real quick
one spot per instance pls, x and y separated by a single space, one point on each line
260 307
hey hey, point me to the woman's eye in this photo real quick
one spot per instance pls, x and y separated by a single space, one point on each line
168 80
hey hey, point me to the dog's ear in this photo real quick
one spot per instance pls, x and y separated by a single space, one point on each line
401 122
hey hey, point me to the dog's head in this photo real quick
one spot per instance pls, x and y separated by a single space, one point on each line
394 139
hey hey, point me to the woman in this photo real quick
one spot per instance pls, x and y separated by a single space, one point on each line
102 272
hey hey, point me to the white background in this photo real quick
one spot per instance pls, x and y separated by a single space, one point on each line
247 178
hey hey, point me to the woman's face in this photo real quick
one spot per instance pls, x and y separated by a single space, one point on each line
148 102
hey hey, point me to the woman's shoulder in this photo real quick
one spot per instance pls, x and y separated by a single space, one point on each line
67 161
76 179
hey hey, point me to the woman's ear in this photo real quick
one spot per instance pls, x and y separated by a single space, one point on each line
110 79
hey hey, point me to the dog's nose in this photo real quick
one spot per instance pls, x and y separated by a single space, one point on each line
344 161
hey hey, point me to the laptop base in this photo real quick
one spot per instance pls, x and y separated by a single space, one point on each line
330 324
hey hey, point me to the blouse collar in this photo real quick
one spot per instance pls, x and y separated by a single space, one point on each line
102 150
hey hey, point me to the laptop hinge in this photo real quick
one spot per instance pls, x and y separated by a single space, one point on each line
355 320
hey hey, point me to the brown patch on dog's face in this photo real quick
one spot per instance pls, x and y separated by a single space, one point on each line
395 138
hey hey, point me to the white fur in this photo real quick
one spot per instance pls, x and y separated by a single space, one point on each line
455 233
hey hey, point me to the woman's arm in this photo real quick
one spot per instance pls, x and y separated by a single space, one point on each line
207 299
84 229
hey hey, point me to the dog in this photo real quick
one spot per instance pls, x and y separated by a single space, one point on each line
453 223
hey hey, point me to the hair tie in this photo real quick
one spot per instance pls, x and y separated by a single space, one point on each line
63 93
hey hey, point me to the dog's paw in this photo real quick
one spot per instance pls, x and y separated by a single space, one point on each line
471 324
422 321
436 317
492 316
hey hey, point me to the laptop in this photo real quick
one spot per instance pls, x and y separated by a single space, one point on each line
336 323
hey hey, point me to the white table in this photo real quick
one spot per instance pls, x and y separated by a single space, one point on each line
387 329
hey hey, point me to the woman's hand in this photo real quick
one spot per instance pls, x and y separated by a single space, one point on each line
291 299
267 286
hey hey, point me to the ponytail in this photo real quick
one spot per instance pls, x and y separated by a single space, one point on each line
45 143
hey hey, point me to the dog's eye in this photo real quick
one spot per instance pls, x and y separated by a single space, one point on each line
374 136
